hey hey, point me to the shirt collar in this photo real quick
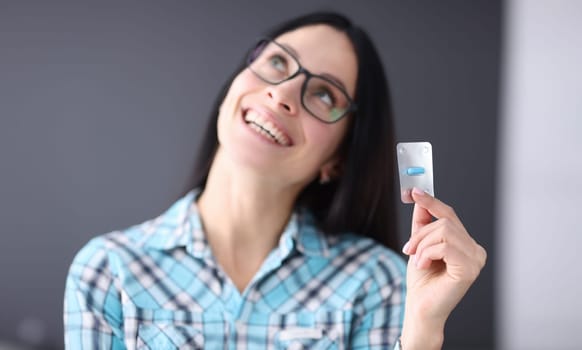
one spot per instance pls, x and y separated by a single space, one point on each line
180 226
310 239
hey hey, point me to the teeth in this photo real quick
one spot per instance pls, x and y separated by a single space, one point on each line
261 131
265 127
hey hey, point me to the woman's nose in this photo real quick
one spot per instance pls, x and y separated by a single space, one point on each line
287 95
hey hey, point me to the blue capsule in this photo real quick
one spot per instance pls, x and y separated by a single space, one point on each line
413 171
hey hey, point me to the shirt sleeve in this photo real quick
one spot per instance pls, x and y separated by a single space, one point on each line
381 308
92 303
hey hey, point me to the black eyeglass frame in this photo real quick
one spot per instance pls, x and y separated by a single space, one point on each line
251 57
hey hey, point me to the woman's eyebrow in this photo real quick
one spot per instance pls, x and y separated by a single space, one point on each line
335 80
291 50
325 75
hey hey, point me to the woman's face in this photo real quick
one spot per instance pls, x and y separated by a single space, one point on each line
298 145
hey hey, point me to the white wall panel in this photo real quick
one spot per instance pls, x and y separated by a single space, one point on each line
539 239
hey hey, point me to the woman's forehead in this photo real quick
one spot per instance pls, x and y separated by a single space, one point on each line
323 50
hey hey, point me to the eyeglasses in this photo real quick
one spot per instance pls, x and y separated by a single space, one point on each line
322 97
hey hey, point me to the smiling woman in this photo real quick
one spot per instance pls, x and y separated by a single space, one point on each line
287 236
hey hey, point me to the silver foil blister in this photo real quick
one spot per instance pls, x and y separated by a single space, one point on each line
414 168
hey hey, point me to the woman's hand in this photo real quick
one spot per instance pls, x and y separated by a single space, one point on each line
444 261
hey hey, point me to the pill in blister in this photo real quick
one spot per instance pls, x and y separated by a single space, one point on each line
415 171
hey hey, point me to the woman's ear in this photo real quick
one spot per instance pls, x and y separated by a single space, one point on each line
330 171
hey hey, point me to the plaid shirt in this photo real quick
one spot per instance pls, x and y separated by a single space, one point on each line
157 286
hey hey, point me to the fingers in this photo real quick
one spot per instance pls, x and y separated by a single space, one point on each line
424 259
406 196
430 238
434 206
420 218
425 208
459 266
428 235
450 244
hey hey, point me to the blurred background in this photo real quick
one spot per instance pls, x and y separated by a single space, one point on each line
102 106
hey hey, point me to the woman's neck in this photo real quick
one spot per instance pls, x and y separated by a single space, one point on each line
243 215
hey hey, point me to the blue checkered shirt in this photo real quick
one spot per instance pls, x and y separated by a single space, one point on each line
157 286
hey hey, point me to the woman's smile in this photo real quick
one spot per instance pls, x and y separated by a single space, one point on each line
266 126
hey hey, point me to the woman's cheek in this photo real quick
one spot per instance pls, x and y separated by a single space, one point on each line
242 84
324 136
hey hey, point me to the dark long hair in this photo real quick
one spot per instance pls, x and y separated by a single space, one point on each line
362 199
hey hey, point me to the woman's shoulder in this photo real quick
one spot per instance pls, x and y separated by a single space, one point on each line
168 230
101 253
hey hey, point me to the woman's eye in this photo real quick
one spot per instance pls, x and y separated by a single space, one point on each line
326 97
278 62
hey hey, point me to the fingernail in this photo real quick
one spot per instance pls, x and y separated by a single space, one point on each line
415 260
406 248
418 191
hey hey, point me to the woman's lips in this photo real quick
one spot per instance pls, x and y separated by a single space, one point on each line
265 125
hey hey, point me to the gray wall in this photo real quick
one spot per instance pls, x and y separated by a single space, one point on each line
539 271
102 107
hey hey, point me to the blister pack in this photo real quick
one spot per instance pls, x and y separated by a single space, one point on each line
414 168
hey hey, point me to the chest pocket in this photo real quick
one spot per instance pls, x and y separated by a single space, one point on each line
306 340
169 330
317 331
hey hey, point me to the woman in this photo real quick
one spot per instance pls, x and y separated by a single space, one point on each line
278 244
